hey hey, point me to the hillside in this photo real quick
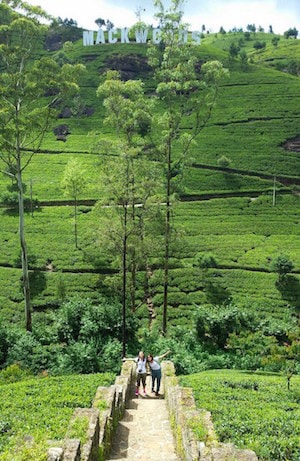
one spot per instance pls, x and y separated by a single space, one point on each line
244 213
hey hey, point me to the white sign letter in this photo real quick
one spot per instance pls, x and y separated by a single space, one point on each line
156 36
182 36
141 35
88 37
124 35
100 37
112 39
196 37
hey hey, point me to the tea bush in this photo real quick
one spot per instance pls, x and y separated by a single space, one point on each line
252 410
39 409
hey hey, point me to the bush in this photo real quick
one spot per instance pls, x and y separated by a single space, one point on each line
214 324
30 354
282 265
85 320
79 358
22 345
11 200
223 162
3 345
259 45
205 260
109 357
12 374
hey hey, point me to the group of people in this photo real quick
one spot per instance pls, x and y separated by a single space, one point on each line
142 362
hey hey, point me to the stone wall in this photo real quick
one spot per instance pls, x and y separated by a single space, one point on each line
107 409
193 429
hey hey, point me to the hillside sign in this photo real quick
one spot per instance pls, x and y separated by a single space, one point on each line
91 37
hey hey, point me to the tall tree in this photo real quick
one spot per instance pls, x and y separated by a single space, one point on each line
187 97
31 88
74 183
129 113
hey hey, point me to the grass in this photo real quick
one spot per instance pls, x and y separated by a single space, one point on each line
252 410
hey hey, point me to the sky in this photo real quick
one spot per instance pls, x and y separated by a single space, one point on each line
281 14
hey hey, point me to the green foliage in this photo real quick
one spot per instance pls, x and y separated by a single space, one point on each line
254 123
3 344
40 409
282 265
11 201
205 260
61 288
216 323
74 180
223 162
78 429
13 373
291 32
257 45
275 40
81 319
83 336
233 50
251 410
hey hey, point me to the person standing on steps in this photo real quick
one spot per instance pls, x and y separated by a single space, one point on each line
141 372
155 368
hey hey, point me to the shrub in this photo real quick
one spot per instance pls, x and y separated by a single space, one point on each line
257 45
3 345
12 374
214 325
205 260
11 200
109 357
22 347
30 354
78 357
282 265
84 319
223 162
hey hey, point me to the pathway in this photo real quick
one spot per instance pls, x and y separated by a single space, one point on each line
144 433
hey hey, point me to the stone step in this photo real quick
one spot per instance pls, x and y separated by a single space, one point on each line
144 433
230 452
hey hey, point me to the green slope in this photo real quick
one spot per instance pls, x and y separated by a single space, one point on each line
256 113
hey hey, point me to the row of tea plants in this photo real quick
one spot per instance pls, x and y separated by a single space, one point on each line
252 410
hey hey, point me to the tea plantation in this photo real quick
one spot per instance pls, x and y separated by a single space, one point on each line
251 410
234 250
39 410
245 213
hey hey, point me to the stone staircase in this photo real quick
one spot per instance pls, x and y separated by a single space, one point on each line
122 426
144 433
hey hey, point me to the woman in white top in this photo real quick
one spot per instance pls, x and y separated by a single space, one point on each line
155 368
141 372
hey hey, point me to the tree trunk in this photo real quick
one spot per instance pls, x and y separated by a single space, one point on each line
133 281
75 223
167 241
124 273
24 255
